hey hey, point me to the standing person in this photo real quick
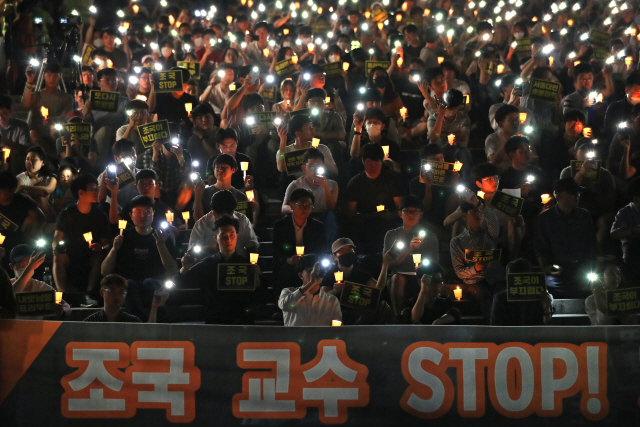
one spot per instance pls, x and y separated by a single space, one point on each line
221 307
309 305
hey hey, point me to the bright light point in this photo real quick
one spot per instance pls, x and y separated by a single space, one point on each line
127 161
592 277
460 188
175 141
164 224
112 168
320 171
531 178
400 245
425 262
40 242
158 67
169 284
591 155
325 263
422 233
193 176
197 249
528 129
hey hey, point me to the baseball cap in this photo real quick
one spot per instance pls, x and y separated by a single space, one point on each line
581 142
567 184
20 251
341 243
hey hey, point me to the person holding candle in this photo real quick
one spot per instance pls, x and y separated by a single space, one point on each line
143 255
371 98
202 144
14 135
123 151
57 102
373 121
510 97
142 88
583 76
309 305
429 307
450 72
139 116
170 106
328 125
76 265
288 91
221 307
297 229
508 119
414 240
227 143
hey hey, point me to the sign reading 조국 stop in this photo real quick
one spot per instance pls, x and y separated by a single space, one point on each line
167 81
193 67
236 277
507 204
360 297
482 256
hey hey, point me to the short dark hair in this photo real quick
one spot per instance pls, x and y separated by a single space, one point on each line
296 123
483 170
137 104
8 181
312 153
633 79
301 193
122 145
371 95
430 269
227 133
225 159
223 202
513 143
81 182
202 110
432 73
581 68
262 24
106 72
5 102
520 265
411 28
572 115
315 93
307 262
372 151
114 280
186 75
466 207
410 201
375 113
504 111
430 150
144 201
146 174
251 100
225 221
52 67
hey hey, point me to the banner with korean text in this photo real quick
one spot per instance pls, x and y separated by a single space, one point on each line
100 374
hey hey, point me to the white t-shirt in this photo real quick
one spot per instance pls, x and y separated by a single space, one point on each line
202 233
318 192
308 310
328 157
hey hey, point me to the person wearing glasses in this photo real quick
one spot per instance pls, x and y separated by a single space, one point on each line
295 230
405 241
143 255
583 82
76 258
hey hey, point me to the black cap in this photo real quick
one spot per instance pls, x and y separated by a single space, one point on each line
567 184
581 142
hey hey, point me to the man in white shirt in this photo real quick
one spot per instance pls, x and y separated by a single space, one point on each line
309 305
313 179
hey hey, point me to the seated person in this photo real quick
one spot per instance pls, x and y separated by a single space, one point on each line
76 262
599 195
556 153
25 219
139 115
508 121
142 255
202 144
142 88
297 229
221 307
309 305
15 135
481 233
202 242
582 82
38 181
170 106
325 191
626 228
372 98
224 167
328 124
404 242
565 242
431 308
62 198
373 121
438 201
520 313
227 143
610 278
146 185
113 289
123 151
344 255
366 192
85 156
509 97
618 147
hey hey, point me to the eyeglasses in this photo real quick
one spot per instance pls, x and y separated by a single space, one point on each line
114 293
304 206
492 178
146 184
109 80
411 211
142 212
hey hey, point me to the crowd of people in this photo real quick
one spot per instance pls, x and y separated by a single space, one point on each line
400 137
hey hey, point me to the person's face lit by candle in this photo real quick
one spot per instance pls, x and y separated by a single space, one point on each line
228 146
227 237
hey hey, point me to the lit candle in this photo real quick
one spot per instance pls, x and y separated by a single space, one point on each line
2 239
416 259
88 237
285 31
169 216
299 250
58 297
6 152
500 68
266 52
311 46
481 194
587 132
109 63
570 22
188 107
250 195
367 14
550 61
399 62
450 39
457 292
345 66
398 18
336 323
451 138
172 20
457 166
232 86
136 8
380 208
327 100
523 118
253 258
122 224
380 25
245 167
545 198
403 112
404 7
440 59
294 59
599 97
385 149
45 112
229 19
315 142
338 275
575 63
186 215
628 60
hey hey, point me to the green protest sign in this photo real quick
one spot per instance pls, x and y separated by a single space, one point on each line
599 38
525 286
236 277
81 132
124 174
507 204
7 225
622 301
360 297
378 14
293 161
523 47
370 65
167 81
441 173
245 209
193 67
36 303
543 90
156 131
86 53
271 94
265 119
592 175
286 68
332 68
104 101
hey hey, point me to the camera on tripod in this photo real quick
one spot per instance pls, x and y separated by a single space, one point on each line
71 20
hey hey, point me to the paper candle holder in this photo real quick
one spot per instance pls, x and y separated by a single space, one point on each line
250 195
452 138
545 198
339 275
253 258
315 142
169 216
336 323
299 250
457 292
186 215
457 166
380 208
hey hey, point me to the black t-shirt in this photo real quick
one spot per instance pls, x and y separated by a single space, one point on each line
554 155
172 109
12 217
159 214
369 193
439 197
411 52
74 224
411 97
119 58
443 305
139 259
237 179
512 178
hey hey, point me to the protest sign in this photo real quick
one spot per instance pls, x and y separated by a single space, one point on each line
507 204
104 101
236 277
360 297
528 286
156 131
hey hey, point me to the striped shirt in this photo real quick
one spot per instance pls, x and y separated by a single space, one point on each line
483 239
123 317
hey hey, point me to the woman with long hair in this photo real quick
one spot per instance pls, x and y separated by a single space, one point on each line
391 102
37 181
